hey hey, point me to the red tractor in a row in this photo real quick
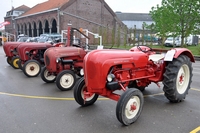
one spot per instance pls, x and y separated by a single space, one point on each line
128 71
10 49
64 64
31 57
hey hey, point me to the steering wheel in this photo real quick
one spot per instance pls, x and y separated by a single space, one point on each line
144 49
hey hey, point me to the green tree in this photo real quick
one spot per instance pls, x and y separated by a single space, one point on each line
178 17
113 37
118 36
125 35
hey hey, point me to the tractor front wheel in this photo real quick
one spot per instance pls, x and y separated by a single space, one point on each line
79 90
14 62
31 68
9 59
129 106
66 80
46 76
177 79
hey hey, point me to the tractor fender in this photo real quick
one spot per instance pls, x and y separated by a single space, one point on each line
184 51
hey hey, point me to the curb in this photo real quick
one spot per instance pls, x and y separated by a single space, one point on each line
197 58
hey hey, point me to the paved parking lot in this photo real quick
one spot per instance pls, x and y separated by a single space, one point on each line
28 105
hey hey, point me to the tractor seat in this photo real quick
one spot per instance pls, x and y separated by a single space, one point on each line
156 57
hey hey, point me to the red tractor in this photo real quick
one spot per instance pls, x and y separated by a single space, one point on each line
130 71
10 49
63 64
31 57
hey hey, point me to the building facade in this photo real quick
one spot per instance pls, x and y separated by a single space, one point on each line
12 15
53 16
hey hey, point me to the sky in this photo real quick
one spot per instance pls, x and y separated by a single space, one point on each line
126 6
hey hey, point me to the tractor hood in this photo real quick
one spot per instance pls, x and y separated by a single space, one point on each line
98 63
64 53
34 45
31 46
10 46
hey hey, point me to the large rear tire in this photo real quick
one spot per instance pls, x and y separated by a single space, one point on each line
46 76
79 90
129 106
31 68
177 79
66 80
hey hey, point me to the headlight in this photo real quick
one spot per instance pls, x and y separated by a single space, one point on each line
26 52
110 77
58 60
81 72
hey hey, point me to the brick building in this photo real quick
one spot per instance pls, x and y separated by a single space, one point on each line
12 15
53 16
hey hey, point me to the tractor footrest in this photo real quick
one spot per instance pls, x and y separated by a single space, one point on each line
113 86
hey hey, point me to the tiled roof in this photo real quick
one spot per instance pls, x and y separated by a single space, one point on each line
134 16
22 8
48 5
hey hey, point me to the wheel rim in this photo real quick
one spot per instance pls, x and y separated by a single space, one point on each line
66 80
88 98
48 76
32 68
132 107
182 80
15 63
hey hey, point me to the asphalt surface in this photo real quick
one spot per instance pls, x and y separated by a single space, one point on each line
28 105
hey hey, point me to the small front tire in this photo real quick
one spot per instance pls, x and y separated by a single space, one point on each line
31 68
66 80
14 62
129 106
20 64
9 59
79 91
46 76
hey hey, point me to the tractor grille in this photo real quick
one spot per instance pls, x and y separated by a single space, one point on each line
47 60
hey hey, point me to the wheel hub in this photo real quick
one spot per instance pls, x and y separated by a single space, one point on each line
181 79
66 80
133 106
32 68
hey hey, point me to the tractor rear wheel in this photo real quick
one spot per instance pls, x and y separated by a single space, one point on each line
46 76
9 59
177 79
31 68
14 62
66 80
79 91
129 106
